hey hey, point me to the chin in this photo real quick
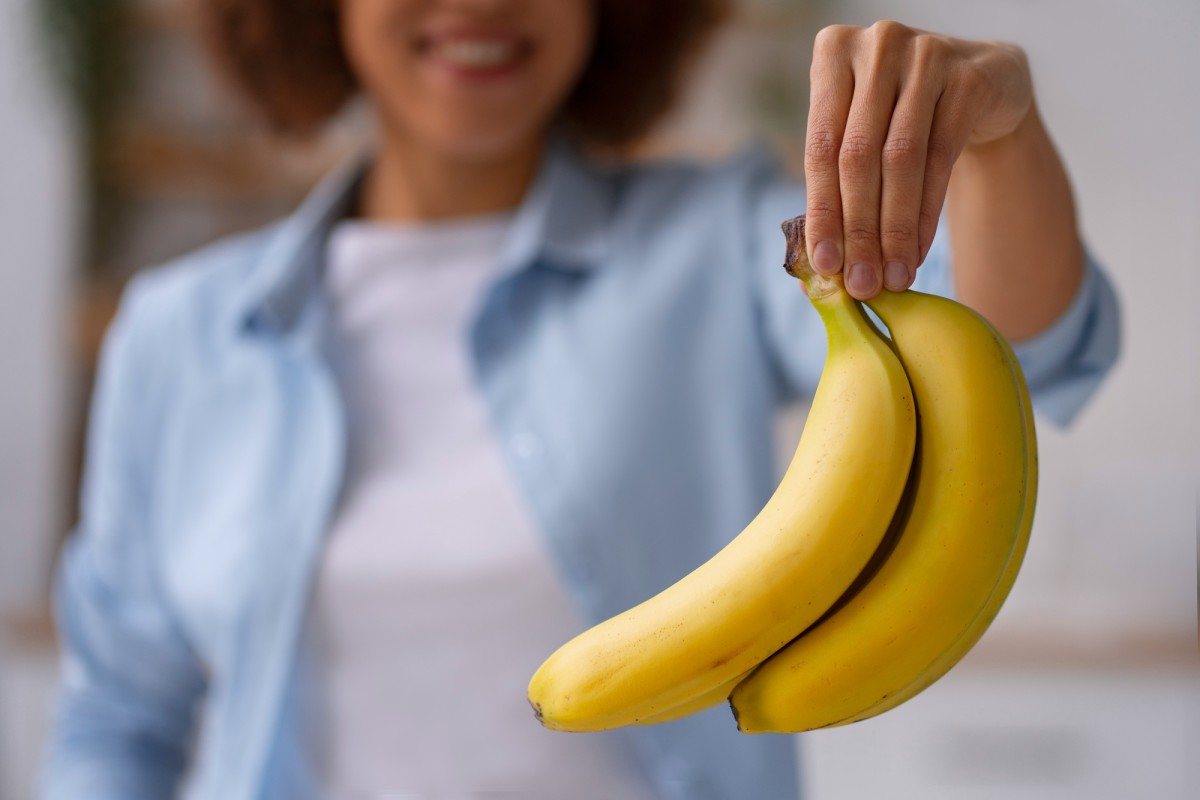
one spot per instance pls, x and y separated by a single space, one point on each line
489 145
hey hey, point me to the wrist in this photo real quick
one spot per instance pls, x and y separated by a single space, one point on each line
1024 138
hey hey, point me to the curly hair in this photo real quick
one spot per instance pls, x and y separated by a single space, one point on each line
286 58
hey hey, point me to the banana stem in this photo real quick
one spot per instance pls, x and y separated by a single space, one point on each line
798 266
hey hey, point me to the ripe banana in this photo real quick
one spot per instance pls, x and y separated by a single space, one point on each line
957 552
781 573
981 623
702 702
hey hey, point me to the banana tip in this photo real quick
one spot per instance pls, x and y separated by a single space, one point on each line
737 719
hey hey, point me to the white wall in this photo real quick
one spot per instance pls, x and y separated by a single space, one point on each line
38 223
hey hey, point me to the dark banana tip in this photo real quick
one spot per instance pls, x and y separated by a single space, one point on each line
796 256
737 720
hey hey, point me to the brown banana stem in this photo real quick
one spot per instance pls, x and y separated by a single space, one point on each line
797 264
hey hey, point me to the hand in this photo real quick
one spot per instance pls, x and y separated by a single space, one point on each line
892 109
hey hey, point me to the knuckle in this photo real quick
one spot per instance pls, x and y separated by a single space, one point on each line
862 234
887 37
901 236
857 152
890 29
929 51
832 39
902 152
822 146
889 45
823 220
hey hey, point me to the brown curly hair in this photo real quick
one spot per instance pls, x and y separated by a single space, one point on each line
286 58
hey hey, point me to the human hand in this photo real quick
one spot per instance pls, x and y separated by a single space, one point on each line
891 110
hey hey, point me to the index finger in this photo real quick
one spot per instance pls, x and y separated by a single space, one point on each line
832 89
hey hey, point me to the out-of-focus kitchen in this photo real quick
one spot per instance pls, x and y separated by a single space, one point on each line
121 150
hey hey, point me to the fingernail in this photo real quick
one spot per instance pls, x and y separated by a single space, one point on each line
895 276
861 279
826 258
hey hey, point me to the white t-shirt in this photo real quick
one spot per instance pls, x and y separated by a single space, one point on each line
435 600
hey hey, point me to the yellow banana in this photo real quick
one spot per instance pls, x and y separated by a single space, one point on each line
981 623
699 703
957 552
789 565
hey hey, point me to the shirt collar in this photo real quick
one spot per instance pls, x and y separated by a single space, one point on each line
562 223
564 219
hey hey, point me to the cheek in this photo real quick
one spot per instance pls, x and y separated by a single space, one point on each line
568 36
375 34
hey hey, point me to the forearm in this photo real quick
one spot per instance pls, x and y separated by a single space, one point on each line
1016 250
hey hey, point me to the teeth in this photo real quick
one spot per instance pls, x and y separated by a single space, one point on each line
476 53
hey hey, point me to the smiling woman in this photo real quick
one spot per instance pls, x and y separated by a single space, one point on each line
354 475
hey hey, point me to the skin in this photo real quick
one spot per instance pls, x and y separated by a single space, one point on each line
902 122
893 109
458 139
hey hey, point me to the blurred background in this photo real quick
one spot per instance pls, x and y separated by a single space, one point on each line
118 150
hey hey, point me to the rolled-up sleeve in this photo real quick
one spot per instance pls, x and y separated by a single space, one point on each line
130 680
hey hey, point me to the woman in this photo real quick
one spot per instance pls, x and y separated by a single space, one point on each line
351 477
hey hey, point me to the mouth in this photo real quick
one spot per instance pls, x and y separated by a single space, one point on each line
476 55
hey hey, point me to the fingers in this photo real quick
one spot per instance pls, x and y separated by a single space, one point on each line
854 84
889 114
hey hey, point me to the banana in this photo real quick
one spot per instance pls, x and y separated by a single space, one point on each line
701 702
957 552
981 623
780 574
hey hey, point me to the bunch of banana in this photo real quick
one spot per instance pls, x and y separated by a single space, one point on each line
956 552
690 642
875 566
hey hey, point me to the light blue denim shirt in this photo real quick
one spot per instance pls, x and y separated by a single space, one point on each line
633 351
